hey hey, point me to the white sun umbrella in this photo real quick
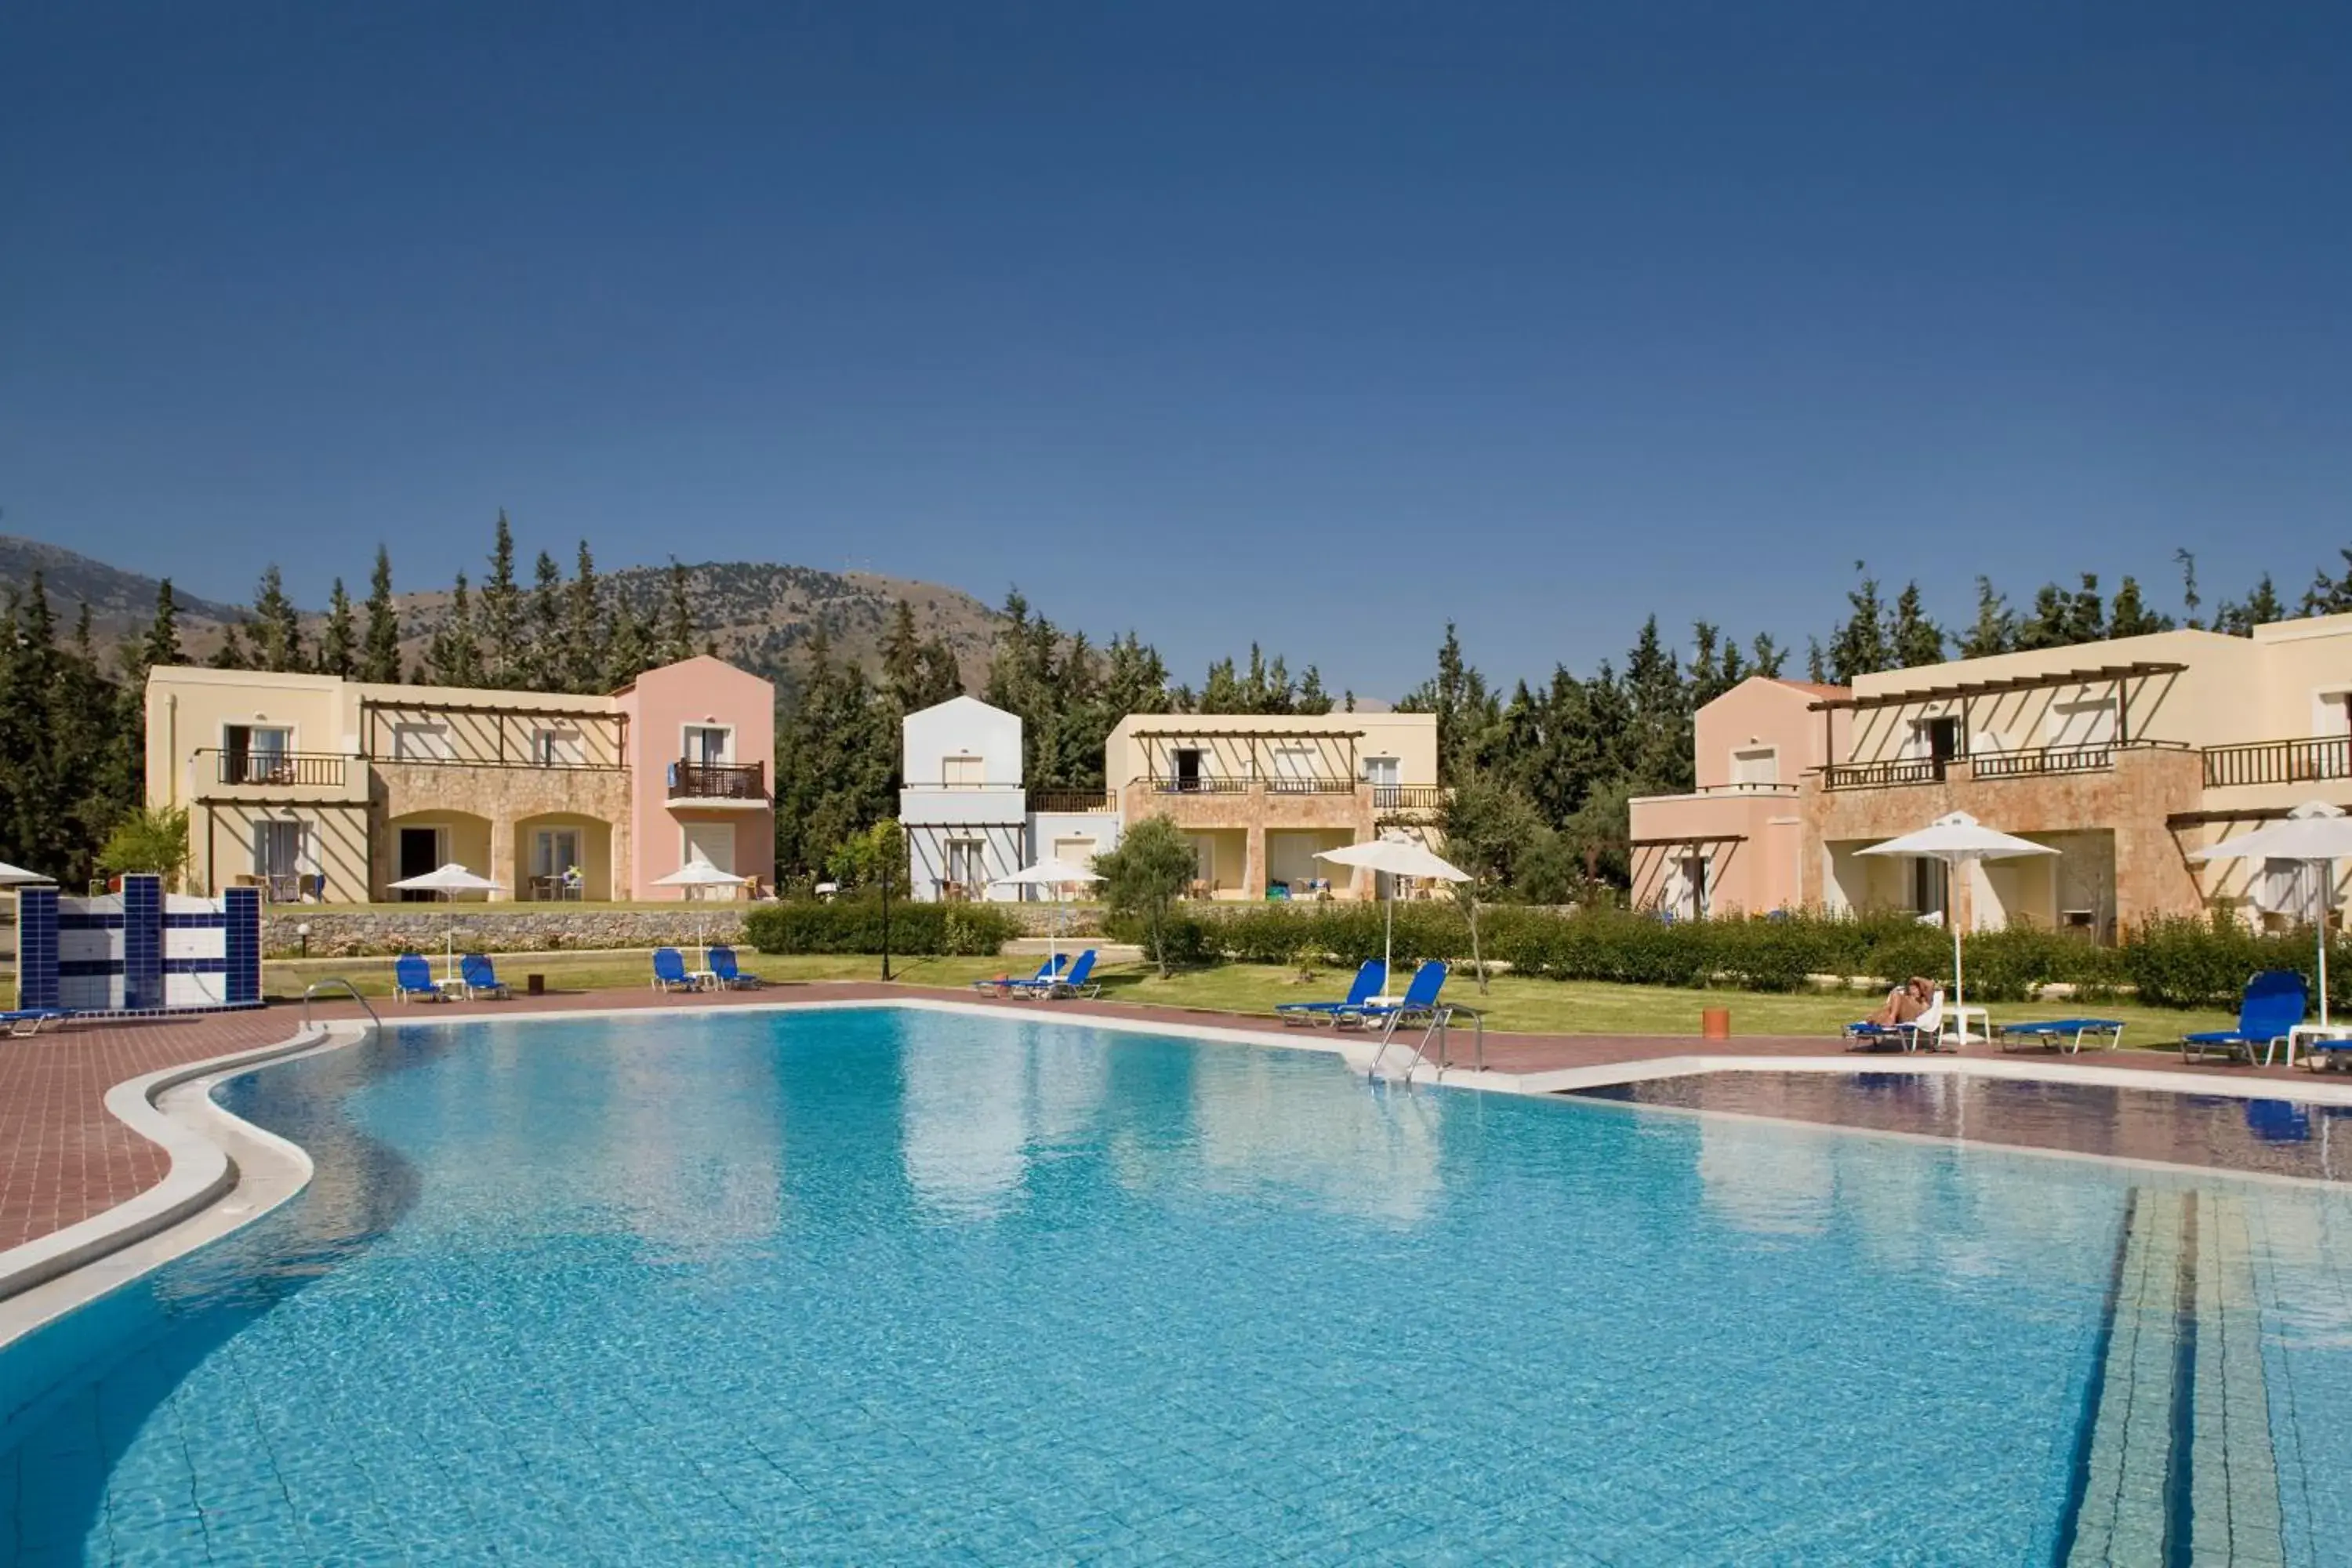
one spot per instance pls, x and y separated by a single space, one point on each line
17 876
1398 857
1058 874
2316 833
450 878
698 872
1958 840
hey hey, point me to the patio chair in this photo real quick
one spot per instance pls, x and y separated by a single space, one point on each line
670 971
722 965
1924 1032
1420 1000
1073 982
2275 1003
480 977
1003 985
2061 1034
412 980
1372 978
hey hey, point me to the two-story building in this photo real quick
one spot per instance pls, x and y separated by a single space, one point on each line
2123 756
319 789
1258 795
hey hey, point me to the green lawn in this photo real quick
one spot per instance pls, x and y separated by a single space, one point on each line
1536 1007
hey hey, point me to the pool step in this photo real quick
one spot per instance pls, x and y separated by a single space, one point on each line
2177 1466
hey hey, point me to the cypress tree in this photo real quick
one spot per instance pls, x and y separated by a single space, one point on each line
546 673
380 654
337 642
161 643
276 624
453 657
584 628
501 617
677 622
231 654
1916 640
629 652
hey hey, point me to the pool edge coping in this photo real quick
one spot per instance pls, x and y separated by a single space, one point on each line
215 1157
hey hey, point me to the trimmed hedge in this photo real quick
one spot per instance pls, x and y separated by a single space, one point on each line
2179 964
855 925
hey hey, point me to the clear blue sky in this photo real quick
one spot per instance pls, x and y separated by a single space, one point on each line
1316 324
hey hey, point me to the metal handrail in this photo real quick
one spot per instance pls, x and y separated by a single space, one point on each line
316 985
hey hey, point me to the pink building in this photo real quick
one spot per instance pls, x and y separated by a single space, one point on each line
1733 843
702 735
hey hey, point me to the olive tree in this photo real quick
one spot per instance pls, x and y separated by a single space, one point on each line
1145 876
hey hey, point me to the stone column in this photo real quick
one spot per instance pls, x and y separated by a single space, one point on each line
1254 858
503 858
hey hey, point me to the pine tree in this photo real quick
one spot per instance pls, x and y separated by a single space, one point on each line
379 655
585 633
162 644
2329 595
547 658
338 641
1916 640
2086 618
276 626
231 654
629 651
677 618
2188 598
1996 629
502 635
902 658
1765 657
2261 606
2129 616
454 656
1860 646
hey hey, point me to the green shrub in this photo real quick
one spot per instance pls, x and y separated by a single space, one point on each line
855 925
2191 963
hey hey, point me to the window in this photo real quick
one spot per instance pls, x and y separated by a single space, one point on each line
280 856
1934 740
257 753
1687 888
2082 724
967 868
422 742
2292 890
711 842
1755 766
710 744
1927 884
1382 773
1184 767
555 852
963 772
1076 851
559 748
1204 860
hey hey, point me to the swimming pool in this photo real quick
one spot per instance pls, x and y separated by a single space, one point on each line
890 1285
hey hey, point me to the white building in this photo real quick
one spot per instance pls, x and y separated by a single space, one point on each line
967 819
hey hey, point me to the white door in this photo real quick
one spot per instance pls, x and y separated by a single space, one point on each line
968 867
713 842
711 744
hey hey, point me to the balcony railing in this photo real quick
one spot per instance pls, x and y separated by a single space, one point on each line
1326 784
1883 775
1071 800
2039 761
1201 785
285 770
2279 761
718 781
1408 798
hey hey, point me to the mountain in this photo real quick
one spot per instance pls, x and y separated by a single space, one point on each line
757 613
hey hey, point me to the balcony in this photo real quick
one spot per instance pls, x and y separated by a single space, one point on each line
718 783
1070 800
1409 797
2279 763
281 770
2039 762
1884 776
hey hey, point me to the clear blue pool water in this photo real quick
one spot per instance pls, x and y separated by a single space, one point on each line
906 1287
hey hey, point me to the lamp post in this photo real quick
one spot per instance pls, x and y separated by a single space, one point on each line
886 917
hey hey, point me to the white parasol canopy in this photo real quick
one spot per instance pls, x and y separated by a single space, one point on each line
1397 856
17 876
450 878
1053 872
698 872
2316 833
1958 840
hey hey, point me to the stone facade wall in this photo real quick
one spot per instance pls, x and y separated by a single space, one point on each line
1251 813
504 797
552 927
2135 799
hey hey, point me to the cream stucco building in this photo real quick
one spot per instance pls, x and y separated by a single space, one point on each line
2122 755
318 789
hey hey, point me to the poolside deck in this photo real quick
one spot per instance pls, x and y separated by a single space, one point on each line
64 1158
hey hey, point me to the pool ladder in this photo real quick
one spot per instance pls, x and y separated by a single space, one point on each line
332 983
1441 1018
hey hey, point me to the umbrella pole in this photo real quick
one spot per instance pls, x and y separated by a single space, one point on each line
1388 936
1959 984
2326 898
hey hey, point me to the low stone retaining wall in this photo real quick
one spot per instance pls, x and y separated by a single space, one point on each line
549 928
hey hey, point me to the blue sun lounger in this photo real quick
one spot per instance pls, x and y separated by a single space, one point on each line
25 1021
2063 1033
670 971
1419 1000
1371 977
1924 1032
2275 1003
479 976
1004 984
412 978
731 976
1073 983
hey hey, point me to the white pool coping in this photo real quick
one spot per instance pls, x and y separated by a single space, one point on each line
226 1172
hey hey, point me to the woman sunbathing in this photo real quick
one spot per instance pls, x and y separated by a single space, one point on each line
1906 1003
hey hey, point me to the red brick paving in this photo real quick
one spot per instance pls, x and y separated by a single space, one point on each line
63 1158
